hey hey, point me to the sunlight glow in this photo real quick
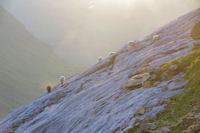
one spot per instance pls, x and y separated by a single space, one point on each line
127 3
92 3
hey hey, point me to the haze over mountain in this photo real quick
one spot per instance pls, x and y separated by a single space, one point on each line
27 65
82 30
152 85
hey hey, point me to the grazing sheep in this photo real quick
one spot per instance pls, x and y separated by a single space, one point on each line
112 53
48 88
100 58
156 37
131 43
62 79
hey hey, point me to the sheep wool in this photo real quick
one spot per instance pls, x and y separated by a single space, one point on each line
100 58
156 37
112 53
62 79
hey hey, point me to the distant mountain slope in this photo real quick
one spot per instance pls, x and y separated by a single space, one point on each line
26 65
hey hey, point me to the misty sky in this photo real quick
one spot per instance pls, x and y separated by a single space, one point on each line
82 30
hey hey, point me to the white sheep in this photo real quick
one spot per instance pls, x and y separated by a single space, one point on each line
112 53
62 79
100 58
131 42
156 37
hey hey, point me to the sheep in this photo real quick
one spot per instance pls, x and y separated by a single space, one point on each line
100 58
133 43
62 79
48 88
112 53
156 37
130 43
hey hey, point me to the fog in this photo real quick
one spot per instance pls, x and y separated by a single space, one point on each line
81 30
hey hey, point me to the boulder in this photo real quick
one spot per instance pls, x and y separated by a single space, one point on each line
165 88
156 83
136 81
148 127
147 84
197 116
193 129
162 130
140 111
173 67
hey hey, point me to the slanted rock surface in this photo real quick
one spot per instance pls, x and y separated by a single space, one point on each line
136 80
95 100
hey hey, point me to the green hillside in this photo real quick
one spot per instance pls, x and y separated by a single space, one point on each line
26 65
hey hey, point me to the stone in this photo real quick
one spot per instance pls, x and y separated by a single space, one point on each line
193 129
148 127
172 112
136 81
144 65
165 88
156 83
197 116
195 108
190 116
137 123
162 130
180 122
146 84
140 111
166 101
154 76
173 67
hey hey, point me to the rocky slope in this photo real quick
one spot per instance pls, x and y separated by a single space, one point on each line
26 65
110 96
